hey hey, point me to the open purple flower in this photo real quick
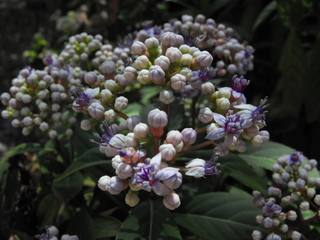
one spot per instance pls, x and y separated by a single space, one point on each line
231 125
84 97
148 175
271 208
238 86
202 76
295 158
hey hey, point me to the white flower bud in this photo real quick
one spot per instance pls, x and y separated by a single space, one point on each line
317 199
152 42
110 115
173 182
223 103
265 136
15 123
173 54
121 103
43 126
27 121
273 236
224 93
85 125
130 73
292 185
108 67
282 216
168 39
204 59
131 140
186 60
256 141
163 62
138 48
114 185
141 62
256 235
156 73
53 134
90 77
157 118
313 163
267 222
317 182
292 215
141 130
178 81
286 200
288 169
282 161
96 110
53 231
252 131
189 136
172 201
124 170
295 197
186 72
276 222
110 84
311 192
259 219
296 235
122 81
166 96
26 98
116 160
284 228
103 181
167 151
205 115
132 199
276 167
133 121
285 177
207 88
26 131
307 167
301 184
105 94
232 68
174 137
69 132
304 206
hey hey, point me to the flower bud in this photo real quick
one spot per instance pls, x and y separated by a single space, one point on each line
130 73
178 81
317 182
295 197
282 216
282 161
313 163
84 125
276 222
258 202
105 94
276 167
141 130
171 201
132 199
143 76
174 137
141 62
26 131
133 121
96 110
205 115
110 84
307 167
90 77
166 96
163 62
189 136
284 228
52 231
317 199
288 169
222 149
108 67
138 48
204 59
152 43
265 136
103 181
267 222
285 177
252 131
26 98
274 192
273 236
304 206
256 235
286 200
116 161
292 215
207 88
110 115
157 118
311 192
168 39
301 184
256 141
121 103
53 134
130 140
31 79
256 193
173 54
124 170
186 60
259 219
27 121
223 103
173 182
114 185
303 174
167 151
296 235
122 82
156 73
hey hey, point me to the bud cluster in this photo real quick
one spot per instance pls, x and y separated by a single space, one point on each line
52 234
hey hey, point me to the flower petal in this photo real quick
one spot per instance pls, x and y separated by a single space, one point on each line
196 162
220 119
166 173
216 134
245 107
229 139
160 189
91 93
155 161
196 172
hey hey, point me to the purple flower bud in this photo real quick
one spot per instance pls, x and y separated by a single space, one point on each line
108 67
178 81
90 77
204 59
189 136
168 39
273 236
31 79
163 62
96 110
174 54
267 222
301 184
172 201
274 192
133 121
157 118
138 48
156 73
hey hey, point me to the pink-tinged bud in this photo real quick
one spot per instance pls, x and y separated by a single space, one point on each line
108 67
178 81
142 62
167 151
121 103
173 182
265 136
166 96
152 43
282 216
304 206
90 77
130 140
173 54
138 48
157 118
259 219
116 161
156 73
174 137
130 73
256 141
189 136
292 215
267 222
172 201
256 235
258 202
96 110
276 222
133 121
141 130
168 39
284 228
132 199
296 235
163 62
286 200
252 131
143 76
205 115
207 88
124 171
204 59
301 184
223 103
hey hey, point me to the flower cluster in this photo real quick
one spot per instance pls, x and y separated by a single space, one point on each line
292 177
52 234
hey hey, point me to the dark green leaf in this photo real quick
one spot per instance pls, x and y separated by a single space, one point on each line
47 210
105 227
149 220
176 114
68 187
220 216
144 111
12 187
81 225
147 93
265 13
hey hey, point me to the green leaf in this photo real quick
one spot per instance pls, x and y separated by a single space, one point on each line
47 210
133 109
90 158
266 155
291 86
220 216
81 225
237 168
265 13
176 114
149 220
144 111
147 93
105 227
11 189
68 187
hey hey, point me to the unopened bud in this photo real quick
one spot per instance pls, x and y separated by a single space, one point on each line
85 125
171 201
133 121
256 235
173 54
276 167
207 88
292 215
141 130
138 48
296 235
259 219
311 192
96 110
286 200
267 222
132 199
205 115
317 199
121 103
167 151
157 118
166 96
223 103
156 73
108 67
163 62
178 81
174 137
142 62
301 184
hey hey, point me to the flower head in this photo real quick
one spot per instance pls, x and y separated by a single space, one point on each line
271 208
295 158
83 97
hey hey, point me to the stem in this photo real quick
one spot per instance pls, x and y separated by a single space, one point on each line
70 150
201 130
156 140
59 150
120 114
166 109
193 112
315 206
201 145
171 161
